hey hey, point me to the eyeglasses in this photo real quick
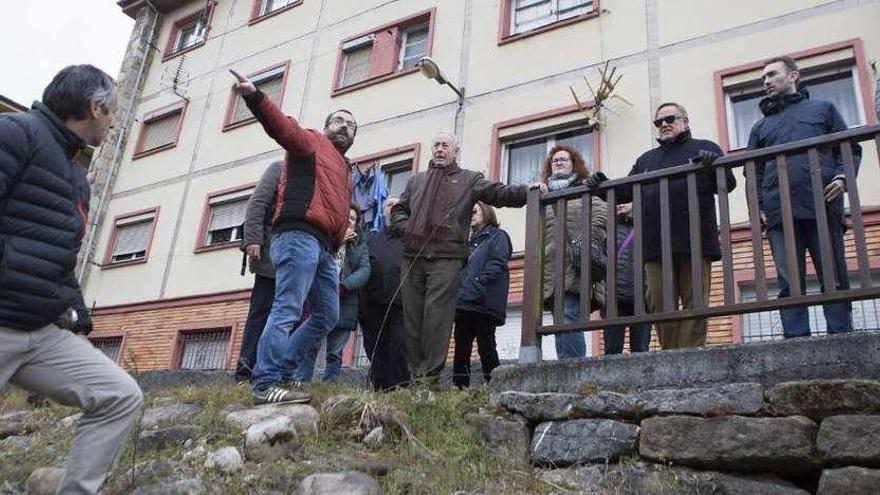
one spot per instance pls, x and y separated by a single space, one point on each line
669 119
561 160
340 121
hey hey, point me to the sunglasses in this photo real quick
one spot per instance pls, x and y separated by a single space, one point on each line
669 119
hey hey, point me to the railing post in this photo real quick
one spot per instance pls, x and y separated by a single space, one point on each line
533 292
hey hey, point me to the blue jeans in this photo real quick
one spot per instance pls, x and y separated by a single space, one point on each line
304 269
796 321
336 340
571 345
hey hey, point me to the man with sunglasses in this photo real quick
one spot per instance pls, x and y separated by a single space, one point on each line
309 225
677 147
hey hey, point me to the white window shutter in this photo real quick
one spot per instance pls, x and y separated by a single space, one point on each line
228 215
132 238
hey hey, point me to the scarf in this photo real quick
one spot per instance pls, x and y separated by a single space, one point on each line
561 181
422 221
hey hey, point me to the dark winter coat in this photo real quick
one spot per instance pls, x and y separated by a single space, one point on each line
791 118
314 190
573 221
44 198
386 253
485 278
678 152
457 195
353 276
258 220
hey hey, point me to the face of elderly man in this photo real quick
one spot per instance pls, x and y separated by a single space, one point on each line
444 149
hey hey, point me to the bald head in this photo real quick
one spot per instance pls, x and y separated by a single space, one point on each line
444 149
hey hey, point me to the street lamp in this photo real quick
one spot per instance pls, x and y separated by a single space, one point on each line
431 70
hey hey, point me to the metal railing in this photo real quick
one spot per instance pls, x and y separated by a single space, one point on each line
533 290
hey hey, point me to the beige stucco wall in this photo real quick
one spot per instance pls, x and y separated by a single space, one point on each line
503 82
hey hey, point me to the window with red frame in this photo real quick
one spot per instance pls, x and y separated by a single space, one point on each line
226 221
132 238
188 32
391 49
160 131
270 82
523 156
527 15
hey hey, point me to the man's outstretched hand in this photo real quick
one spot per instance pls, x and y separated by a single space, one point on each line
243 85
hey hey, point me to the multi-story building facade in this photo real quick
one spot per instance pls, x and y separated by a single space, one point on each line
163 264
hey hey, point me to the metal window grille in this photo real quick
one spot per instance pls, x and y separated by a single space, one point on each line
161 131
191 33
227 222
523 157
110 346
415 46
357 64
204 349
361 358
767 325
131 241
270 83
532 14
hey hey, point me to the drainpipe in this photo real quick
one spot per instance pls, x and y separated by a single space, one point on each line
146 37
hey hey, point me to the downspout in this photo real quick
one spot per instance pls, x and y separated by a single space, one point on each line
93 231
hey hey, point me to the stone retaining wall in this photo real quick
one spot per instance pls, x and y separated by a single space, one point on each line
816 436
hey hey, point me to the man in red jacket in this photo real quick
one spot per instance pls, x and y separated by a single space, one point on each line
309 223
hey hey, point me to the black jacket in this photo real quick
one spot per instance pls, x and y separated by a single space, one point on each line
353 276
791 118
44 198
485 278
386 252
667 155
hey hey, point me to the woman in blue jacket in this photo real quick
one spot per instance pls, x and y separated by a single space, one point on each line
482 298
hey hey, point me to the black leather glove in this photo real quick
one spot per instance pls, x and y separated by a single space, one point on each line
706 157
594 180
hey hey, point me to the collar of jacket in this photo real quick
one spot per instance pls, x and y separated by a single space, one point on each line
68 139
447 170
486 230
684 137
775 104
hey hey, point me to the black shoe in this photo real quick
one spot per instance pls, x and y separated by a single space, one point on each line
278 395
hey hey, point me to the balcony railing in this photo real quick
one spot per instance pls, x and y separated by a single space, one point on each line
840 143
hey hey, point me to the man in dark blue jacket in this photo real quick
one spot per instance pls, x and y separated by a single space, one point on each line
790 115
44 198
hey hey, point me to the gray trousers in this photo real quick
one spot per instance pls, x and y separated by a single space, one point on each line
430 293
67 369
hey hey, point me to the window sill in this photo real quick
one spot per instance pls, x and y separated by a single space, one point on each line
240 123
120 264
369 82
254 20
168 56
217 247
504 39
153 151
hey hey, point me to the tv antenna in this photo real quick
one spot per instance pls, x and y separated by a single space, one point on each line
602 94
175 78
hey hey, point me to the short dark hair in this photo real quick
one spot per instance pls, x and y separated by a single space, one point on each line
334 112
74 88
678 107
789 62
